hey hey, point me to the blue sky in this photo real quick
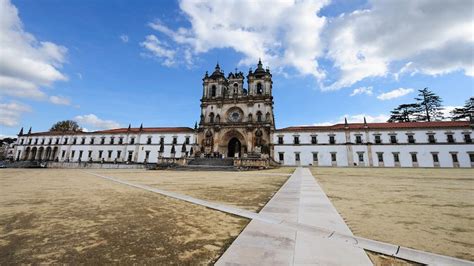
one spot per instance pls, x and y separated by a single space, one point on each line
111 63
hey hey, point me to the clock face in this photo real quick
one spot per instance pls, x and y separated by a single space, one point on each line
235 115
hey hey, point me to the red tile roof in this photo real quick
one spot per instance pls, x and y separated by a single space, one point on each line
149 130
120 130
360 126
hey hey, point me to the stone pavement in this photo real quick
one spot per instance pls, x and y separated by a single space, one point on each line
299 201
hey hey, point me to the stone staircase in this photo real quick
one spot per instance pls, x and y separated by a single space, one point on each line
212 162
209 164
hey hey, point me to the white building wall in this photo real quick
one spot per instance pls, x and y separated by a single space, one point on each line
345 152
423 149
139 147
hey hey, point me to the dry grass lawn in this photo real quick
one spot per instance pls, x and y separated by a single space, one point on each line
68 216
426 209
249 190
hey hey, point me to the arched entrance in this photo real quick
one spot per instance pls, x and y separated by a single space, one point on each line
234 148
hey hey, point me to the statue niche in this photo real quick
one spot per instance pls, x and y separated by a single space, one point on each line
258 138
208 141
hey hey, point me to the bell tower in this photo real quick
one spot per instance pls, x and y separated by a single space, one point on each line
236 121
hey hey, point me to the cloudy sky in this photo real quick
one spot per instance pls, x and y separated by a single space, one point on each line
106 64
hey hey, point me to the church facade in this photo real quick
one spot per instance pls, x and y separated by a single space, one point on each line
237 121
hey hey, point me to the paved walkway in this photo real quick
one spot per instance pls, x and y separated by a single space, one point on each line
300 200
299 226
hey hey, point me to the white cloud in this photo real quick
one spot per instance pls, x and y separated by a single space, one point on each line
96 122
11 113
159 50
59 100
285 35
396 93
362 90
426 36
357 118
25 63
124 38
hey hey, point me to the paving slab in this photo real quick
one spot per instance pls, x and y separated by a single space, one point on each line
299 201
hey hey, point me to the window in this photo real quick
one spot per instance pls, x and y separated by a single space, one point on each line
450 138
147 155
315 156
112 140
358 139
333 157
118 154
332 139
361 157
89 154
148 141
187 140
74 141
454 156
100 154
80 155
314 139
72 154
297 156
213 91
435 157
29 142
414 158
259 116
36 141
259 88
42 141
467 138
396 157
120 141
57 141
236 88
175 140
211 118
130 156
471 157
65 140
91 141
102 140
132 140
21 141
50 141
393 139
281 156
411 139
296 140
380 157
109 155
83 141
162 140
431 138
280 139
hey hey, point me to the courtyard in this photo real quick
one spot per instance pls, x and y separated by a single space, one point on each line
60 216
425 209
64 215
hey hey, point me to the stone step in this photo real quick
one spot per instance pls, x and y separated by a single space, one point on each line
212 162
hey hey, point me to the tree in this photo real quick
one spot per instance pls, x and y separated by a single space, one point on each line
66 126
404 113
429 106
467 111
7 141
